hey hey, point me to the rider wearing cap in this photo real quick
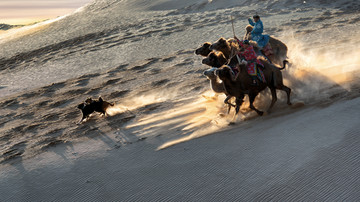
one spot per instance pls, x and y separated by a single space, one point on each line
256 33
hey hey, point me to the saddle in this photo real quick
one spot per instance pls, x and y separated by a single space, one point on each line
267 50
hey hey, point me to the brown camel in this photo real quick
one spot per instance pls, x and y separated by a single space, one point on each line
274 79
215 59
228 47
204 50
279 48
241 84
215 85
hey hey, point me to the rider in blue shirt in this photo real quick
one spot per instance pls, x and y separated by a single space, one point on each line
256 33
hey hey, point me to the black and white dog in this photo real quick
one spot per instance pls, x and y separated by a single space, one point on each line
90 106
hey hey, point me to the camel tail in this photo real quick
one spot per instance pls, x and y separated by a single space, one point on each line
284 65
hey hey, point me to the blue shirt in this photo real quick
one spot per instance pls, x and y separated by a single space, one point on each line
256 33
258 27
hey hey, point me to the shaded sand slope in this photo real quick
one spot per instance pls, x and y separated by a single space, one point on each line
285 158
167 137
34 120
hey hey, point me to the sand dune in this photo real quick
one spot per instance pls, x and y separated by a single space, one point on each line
168 136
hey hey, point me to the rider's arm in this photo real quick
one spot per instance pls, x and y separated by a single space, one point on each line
237 39
251 22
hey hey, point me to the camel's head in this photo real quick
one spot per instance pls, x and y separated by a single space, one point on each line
215 59
225 73
220 44
210 73
204 50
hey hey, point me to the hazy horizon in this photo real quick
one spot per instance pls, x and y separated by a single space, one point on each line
18 12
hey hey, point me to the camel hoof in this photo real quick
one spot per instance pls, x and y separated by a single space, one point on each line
260 113
231 123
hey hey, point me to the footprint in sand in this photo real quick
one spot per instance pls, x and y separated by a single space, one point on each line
32 128
14 151
153 71
55 133
12 104
82 82
142 67
4 120
42 104
160 82
26 116
61 103
72 115
53 87
169 59
90 76
50 142
51 117
29 95
75 92
126 81
112 81
116 70
94 91
118 94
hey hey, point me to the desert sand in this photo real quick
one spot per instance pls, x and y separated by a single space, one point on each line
168 136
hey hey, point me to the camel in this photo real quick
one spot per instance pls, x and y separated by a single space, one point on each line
279 48
215 85
274 79
204 50
215 59
272 73
240 85
228 47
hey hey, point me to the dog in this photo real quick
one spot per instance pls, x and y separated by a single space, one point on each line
90 106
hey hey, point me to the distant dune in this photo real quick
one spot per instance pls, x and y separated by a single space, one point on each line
7 26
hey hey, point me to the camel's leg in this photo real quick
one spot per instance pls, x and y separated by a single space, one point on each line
274 97
226 101
229 108
252 98
288 91
239 100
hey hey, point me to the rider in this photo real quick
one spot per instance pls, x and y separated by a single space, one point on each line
256 33
249 57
